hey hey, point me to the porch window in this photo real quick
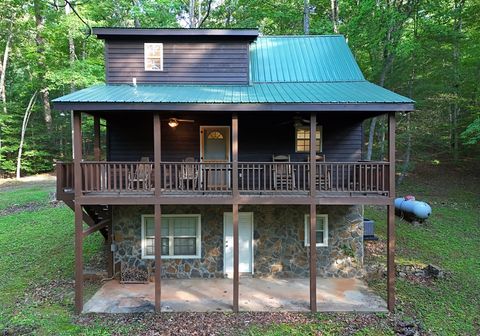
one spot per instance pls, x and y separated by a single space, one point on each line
302 139
153 56
321 231
180 236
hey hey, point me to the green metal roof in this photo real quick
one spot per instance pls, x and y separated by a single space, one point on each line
290 93
325 58
283 70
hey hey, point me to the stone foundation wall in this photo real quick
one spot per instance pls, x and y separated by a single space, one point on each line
127 232
279 241
279 248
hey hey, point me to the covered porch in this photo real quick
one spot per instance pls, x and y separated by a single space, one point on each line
255 294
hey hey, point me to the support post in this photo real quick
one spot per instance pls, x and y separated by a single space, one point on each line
157 138
157 152
77 137
97 153
235 155
236 277
158 257
236 257
313 213
108 250
391 215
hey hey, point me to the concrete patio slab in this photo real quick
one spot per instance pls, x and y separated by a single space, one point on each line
207 295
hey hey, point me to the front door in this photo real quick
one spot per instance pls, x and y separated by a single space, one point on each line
245 239
215 151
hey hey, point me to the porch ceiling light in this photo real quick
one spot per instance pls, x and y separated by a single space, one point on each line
172 122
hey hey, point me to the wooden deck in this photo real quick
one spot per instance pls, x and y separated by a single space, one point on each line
202 183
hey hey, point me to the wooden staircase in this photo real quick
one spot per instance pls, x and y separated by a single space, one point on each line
95 216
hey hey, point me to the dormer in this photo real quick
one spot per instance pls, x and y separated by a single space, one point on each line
197 56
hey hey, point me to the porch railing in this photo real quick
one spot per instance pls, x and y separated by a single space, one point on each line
201 177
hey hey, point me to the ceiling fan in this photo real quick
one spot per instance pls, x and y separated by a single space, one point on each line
174 122
297 121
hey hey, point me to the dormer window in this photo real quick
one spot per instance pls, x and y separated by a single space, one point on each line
153 56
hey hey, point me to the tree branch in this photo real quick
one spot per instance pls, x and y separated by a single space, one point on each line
207 14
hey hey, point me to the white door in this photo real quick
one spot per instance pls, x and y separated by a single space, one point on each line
245 247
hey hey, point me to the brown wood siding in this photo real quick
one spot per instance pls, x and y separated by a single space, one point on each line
131 137
183 62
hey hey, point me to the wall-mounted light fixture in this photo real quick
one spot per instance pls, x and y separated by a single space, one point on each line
172 122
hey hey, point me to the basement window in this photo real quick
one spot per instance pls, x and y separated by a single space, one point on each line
181 236
302 139
321 230
153 56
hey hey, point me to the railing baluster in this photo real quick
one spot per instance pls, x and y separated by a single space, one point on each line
253 177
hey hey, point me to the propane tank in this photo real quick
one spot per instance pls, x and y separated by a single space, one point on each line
410 206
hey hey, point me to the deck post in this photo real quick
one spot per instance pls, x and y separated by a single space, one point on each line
158 257
235 155
97 153
108 251
313 214
77 140
391 215
235 193
236 277
157 152
157 138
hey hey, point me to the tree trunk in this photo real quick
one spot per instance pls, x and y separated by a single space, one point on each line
335 20
455 106
3 73
136 21
3 70
387 63
371 134
408 150
306 17
72 58
26 117
191 14
40 42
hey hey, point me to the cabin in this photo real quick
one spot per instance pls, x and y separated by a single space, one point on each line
219 154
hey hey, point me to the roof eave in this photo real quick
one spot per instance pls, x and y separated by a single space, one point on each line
107 33
311 107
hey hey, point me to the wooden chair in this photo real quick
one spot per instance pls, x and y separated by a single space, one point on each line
283 174
188 174
141 176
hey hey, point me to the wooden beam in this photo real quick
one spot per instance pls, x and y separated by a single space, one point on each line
236 258
158 257
96 227
97 153
77 148
59 174
77 140
391 216
235 155
313 214
108 250
313 258
157 152
78 259
228 200
313 154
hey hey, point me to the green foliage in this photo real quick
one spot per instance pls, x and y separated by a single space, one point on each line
471 135
409 46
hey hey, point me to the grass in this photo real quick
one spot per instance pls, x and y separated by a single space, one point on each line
36 249
450 240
